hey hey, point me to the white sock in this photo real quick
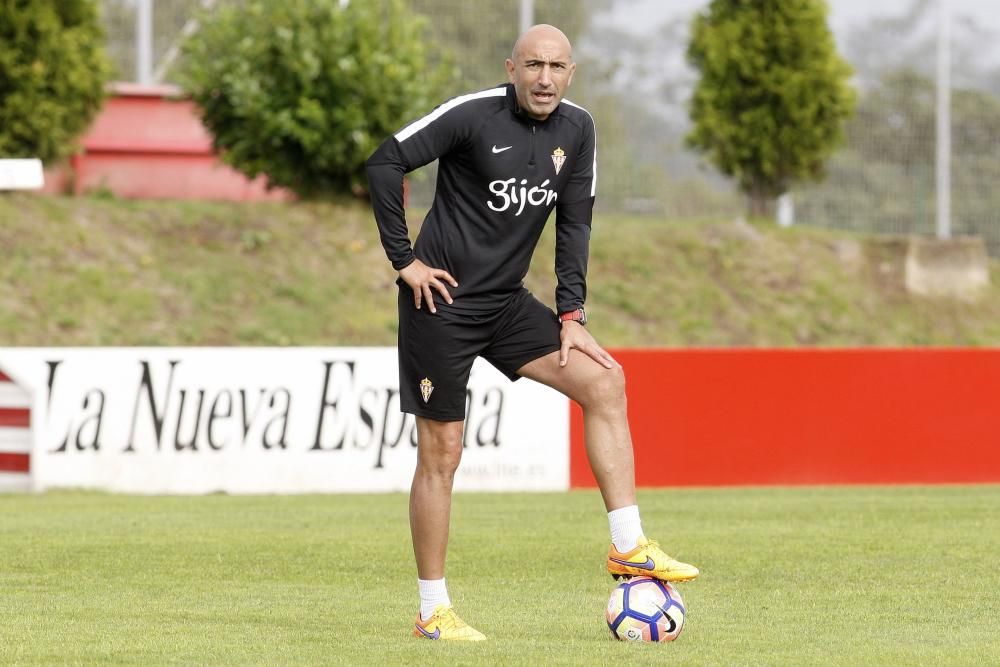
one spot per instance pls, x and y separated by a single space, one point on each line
432 593
625 527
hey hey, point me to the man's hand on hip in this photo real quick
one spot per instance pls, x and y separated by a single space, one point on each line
575 336
421 278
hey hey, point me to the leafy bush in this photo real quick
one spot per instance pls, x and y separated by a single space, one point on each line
773 96
52 75
304 90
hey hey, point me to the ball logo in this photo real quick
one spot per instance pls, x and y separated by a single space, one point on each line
508 194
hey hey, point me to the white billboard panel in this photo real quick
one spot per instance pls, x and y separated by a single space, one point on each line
269 420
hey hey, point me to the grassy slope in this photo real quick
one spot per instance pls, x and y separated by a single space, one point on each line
808 576
105 272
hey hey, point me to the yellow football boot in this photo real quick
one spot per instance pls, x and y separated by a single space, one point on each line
648 560
444 623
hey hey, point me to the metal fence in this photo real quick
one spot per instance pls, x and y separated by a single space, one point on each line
633 77
885 177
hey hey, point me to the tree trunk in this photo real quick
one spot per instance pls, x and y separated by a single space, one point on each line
760 204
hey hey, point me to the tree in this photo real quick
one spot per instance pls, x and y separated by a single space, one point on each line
303 91
52 76
773 94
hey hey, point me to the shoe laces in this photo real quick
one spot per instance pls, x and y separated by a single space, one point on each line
449 620
654 546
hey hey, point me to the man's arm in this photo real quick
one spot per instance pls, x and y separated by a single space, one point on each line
572 254
386 169
574 211
573 218
421 142
417 144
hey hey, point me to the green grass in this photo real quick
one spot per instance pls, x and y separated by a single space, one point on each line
840 576
99 271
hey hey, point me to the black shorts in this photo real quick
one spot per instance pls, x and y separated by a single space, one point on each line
436 351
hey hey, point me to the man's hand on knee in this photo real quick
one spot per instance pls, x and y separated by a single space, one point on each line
575 336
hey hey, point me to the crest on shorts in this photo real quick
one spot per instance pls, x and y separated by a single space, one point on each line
426 388
558 159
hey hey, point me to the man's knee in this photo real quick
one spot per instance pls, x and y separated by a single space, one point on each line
605 391
439 445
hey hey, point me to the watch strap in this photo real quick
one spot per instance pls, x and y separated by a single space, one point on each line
578 315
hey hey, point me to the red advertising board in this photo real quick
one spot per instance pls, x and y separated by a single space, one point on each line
832 416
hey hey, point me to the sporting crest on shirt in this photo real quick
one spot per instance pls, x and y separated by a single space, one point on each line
558 159
426 388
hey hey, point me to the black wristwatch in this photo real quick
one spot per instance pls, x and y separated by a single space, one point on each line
578 315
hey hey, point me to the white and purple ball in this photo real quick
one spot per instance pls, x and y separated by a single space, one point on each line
645 609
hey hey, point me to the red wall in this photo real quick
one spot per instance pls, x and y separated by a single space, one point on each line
148 142
720 417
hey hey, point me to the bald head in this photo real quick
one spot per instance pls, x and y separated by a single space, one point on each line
541 68
542 31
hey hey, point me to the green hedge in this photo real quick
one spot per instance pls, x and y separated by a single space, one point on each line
304 90
52 75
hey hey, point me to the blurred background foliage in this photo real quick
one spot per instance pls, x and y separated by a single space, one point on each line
53 70
632 75
303 91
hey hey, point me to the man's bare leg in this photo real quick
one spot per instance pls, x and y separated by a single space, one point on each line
439 452
600 392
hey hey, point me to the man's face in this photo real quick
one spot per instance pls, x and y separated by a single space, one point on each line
541 74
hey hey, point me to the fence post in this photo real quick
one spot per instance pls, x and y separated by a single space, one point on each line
144 41
943 162
527 15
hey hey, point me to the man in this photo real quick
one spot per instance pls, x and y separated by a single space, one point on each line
508 156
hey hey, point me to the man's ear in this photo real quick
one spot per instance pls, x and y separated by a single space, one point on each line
509 64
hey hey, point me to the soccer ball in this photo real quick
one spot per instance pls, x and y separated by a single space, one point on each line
643 609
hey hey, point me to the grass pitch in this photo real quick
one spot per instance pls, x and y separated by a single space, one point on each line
855 575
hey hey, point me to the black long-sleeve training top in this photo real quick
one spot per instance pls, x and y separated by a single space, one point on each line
500 175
